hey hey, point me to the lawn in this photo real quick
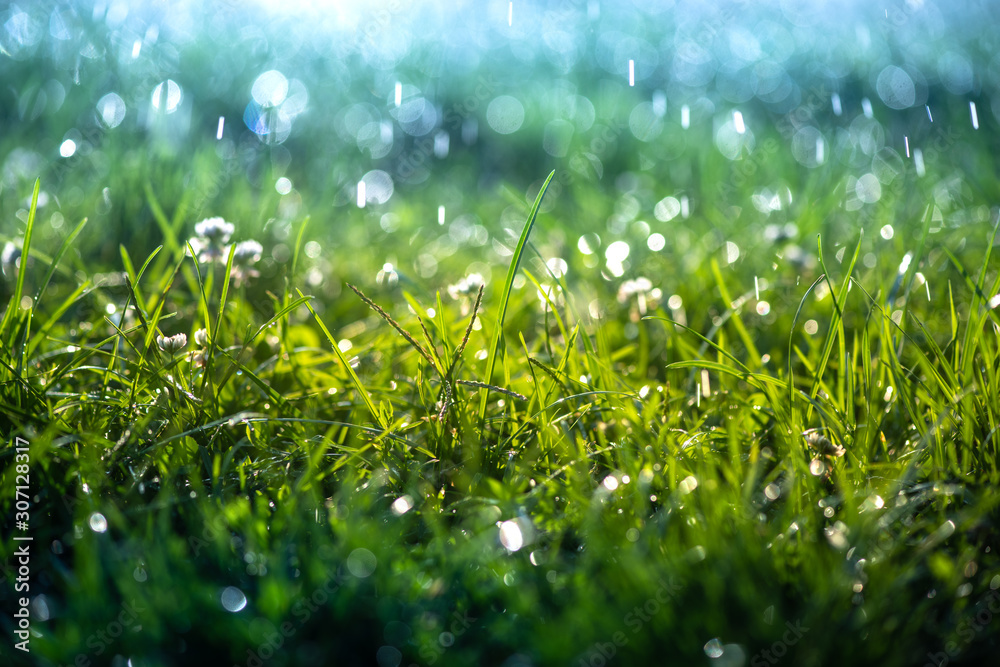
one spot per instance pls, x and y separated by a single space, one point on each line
516 334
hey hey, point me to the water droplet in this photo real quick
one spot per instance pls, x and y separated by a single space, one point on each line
233 599
713 648
167 96
98 523
510 536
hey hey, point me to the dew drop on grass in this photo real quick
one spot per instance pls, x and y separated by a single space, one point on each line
713 648
98 523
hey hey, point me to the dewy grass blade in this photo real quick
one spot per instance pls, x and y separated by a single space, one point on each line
15 300
505 297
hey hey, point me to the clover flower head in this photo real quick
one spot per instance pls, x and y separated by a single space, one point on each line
215 230
172 344
201 337
823 445
247 253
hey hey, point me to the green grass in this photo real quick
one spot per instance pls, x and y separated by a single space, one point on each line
673 486
783 447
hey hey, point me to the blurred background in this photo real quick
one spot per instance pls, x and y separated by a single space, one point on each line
415 134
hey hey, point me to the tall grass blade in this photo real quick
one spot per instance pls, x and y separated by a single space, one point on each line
505 296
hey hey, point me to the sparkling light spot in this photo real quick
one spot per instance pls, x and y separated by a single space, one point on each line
741 127
656 242
283 186
221 128
610 483
233 599
975 115
270 89
402 505
111 109
167 96
361 563
886 232
732 252
98 523
631 73
67 148
510 536
505 114
685 116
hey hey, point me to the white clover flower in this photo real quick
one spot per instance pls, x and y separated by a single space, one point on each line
823 445
209 243
247 253
201 337
172 344
215 230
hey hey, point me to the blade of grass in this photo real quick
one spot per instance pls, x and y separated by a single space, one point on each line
15 300
505 295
